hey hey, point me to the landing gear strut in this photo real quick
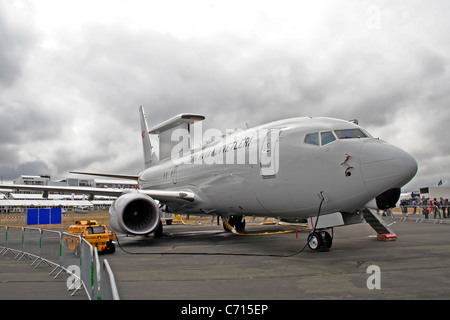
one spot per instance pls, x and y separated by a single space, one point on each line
320 240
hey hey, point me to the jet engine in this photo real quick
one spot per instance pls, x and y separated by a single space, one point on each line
134 213
386 200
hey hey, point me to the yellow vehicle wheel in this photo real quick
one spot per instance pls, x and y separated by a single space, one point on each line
110 247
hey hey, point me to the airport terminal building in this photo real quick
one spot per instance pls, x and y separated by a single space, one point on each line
14 201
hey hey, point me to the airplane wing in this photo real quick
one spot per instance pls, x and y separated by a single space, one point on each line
160 195
117 176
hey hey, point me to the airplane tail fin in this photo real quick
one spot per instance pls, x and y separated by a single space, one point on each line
150 157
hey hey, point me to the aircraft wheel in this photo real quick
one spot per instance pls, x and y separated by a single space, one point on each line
239 223
110 247
159 230
328 240
315 241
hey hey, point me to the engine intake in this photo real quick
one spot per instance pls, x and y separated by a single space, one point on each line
134 213
388 199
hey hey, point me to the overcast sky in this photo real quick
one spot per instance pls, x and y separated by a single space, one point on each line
73 74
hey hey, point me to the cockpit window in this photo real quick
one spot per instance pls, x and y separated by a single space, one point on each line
312 138
327 137
351 134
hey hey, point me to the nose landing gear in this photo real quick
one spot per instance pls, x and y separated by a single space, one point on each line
320 241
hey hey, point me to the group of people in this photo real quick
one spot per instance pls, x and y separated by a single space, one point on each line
428 207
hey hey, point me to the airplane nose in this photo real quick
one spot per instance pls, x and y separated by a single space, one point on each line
384 166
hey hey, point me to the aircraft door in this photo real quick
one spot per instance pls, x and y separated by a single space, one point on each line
269 154
174 175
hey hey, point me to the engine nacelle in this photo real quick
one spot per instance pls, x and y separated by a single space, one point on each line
386 200
134 213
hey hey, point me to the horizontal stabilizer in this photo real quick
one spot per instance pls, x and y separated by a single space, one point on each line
176 121
170 132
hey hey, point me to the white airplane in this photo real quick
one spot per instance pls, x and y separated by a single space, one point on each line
326 171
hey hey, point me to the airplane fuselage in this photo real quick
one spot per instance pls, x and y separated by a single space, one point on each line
278 169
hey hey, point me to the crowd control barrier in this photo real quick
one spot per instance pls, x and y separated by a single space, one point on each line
67 254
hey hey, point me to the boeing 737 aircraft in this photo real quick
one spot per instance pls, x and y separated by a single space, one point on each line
293 169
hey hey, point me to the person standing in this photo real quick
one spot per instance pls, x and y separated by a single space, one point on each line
436 209
445 209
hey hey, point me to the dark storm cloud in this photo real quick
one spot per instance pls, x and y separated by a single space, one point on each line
12 172
121 70
16 41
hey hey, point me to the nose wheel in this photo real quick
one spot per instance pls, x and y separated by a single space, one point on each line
320 241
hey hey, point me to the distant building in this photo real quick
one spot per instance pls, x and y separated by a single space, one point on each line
435 192
72 182
32 180
14 201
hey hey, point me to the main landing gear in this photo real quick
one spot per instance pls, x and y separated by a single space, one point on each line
320 240
236 222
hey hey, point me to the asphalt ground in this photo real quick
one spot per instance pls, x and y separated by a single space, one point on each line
204 263
21 281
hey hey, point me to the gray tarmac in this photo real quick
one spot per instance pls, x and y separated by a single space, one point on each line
415 266
202 262
20 281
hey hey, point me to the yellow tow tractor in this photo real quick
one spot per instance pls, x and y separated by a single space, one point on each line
96 234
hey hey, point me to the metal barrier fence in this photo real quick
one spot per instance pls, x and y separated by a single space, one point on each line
64 252
425 213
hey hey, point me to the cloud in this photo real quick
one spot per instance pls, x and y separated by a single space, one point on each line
29 168
16 39
72 83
